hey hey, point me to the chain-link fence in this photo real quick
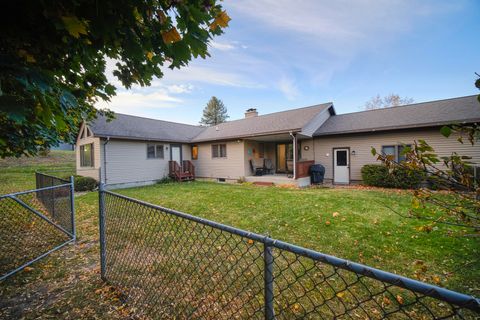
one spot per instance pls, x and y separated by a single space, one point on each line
35 223
169 264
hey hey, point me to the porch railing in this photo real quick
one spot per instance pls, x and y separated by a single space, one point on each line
188 167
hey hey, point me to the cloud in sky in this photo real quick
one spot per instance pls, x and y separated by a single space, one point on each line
222 46
344 24
278 50
288 87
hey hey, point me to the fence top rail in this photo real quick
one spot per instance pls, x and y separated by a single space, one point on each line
456 298
9 195
51 176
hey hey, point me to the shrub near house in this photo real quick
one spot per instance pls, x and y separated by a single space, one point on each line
84 183
378 175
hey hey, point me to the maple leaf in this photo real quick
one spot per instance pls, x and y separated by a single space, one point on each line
171 36
74 26
221 20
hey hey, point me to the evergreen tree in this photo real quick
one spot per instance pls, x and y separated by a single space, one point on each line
214 113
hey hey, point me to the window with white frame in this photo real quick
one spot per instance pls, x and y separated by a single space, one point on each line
155 151
86 155
219 150
395 152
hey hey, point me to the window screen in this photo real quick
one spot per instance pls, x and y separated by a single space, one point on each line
214 150
341 158
159 151
86 155
389 151
401 150
223 150
150 151
219 150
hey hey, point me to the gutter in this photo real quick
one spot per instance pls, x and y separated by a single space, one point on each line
105 160
298 130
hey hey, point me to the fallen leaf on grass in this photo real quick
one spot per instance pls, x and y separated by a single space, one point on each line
386 301
436 279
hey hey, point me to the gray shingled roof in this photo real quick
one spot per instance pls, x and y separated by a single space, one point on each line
278 122
427 114
138 128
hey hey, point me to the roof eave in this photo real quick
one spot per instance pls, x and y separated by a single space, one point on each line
139 138
296 130
426 125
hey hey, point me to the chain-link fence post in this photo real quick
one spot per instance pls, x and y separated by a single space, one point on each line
101 212
268 279
52 198
72 207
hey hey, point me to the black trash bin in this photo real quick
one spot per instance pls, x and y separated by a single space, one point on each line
317 172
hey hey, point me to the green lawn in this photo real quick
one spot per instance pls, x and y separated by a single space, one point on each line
354 224
349 223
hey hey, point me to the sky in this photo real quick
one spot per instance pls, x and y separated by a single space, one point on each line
278 55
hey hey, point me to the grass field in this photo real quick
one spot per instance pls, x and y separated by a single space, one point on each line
355 224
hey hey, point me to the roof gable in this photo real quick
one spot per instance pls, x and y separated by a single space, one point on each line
426 114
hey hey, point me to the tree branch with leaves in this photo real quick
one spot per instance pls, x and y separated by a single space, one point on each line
452 192
53 58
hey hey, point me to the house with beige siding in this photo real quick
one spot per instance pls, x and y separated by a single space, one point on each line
274 148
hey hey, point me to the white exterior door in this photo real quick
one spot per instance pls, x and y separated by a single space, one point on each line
176 156
341 166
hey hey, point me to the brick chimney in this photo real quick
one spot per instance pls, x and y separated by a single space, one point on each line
252 112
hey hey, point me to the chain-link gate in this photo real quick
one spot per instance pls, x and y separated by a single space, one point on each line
173 265
35 223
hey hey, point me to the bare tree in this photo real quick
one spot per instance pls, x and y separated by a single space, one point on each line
392 100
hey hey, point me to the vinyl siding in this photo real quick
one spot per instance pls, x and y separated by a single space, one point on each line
362 144
88 171
306 154
126 162
186 152
231 167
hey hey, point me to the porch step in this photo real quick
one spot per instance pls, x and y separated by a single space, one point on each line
185 176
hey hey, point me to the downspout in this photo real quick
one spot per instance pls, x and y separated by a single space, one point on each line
294 138
105 161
